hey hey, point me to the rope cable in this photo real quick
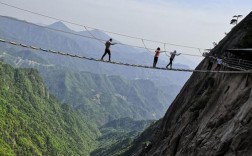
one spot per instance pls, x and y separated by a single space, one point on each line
165 47
167 54
73 23
145 46
200 52
93 35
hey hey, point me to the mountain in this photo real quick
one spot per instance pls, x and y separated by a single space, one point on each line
100 97
167 84
104 98
60 26
211 116
33 122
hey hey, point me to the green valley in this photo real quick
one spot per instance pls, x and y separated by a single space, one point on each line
34 123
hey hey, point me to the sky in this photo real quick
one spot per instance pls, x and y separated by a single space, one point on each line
196 23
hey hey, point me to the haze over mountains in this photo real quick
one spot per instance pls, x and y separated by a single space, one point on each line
169 83
58 41
105 95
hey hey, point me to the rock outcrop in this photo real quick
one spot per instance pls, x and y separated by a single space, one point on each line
212 115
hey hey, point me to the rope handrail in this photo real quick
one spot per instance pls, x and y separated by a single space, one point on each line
119 63
238 64
145 46
233 58
76 24
232 67
238 67
239 61
93 35
90 37
242 49
236 59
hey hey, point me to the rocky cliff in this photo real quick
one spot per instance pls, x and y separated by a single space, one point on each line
212 115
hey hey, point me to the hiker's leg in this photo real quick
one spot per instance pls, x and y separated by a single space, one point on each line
155 62
104 54
109 54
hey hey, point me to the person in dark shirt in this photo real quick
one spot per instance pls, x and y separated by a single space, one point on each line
173 54
107 48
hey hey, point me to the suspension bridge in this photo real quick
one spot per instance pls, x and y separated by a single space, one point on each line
240 66
117 63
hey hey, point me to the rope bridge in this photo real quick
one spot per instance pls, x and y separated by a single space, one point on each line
117 63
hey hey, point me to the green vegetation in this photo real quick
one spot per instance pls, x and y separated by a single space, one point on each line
33 123
118 135
105 98
101 98
142 139
54 128
42 126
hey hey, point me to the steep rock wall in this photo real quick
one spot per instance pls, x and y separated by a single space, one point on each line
212 115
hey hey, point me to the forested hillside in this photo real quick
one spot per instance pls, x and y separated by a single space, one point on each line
118 135
32 121
105 98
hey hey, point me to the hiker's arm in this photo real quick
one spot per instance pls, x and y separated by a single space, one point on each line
167 54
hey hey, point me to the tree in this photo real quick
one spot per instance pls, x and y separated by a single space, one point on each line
234 21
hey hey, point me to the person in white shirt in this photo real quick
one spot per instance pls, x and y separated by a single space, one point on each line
219 63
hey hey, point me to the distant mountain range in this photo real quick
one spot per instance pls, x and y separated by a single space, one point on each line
151 90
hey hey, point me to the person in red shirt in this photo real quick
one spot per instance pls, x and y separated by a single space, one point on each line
157 53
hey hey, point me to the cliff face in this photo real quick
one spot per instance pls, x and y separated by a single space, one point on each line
212 115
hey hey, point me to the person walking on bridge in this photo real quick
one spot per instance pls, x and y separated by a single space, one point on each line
173 54
107 49
157 53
